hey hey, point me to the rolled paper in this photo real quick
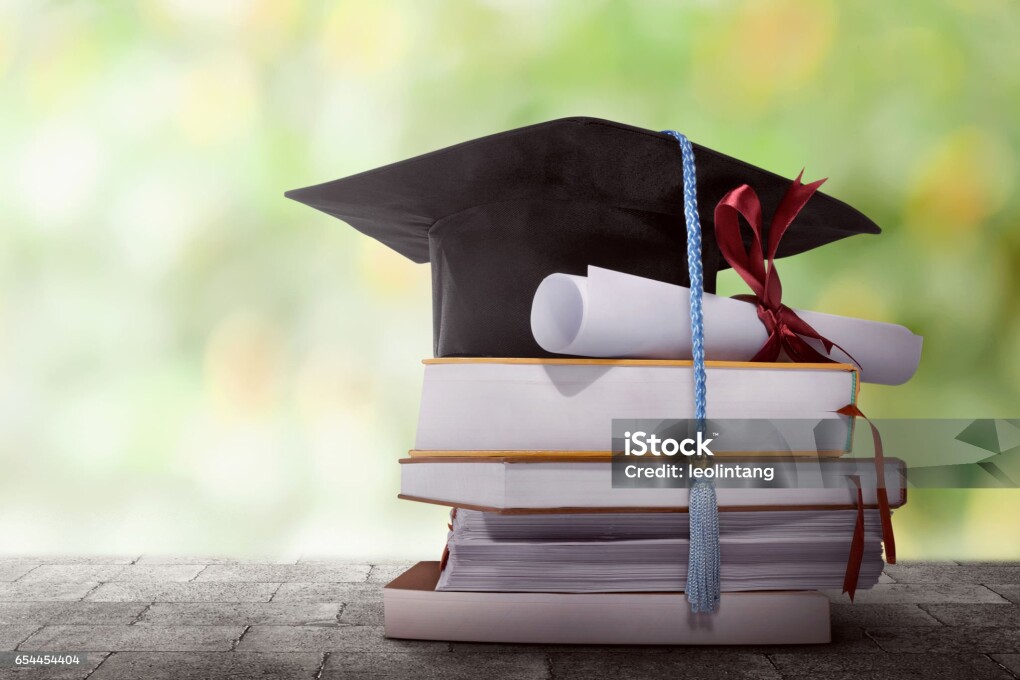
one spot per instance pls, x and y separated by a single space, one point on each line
610 314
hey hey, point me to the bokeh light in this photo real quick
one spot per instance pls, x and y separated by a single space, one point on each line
191 363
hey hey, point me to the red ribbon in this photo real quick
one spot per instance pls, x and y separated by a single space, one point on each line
885 514
853 562
756 266
788 332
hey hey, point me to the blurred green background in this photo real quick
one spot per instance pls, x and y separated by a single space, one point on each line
191 363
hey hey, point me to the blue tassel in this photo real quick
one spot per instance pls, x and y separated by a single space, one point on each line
703 586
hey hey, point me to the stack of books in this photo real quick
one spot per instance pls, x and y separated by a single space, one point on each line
539 538
543 545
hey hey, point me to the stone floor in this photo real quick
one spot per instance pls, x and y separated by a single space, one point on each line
182 618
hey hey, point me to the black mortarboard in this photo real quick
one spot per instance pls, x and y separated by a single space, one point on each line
497 215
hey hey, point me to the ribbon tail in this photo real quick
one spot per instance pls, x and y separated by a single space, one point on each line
848 355
796 197
856 557
885 514
802 329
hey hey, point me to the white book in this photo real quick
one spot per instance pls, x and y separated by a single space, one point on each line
413 609
569 404
508 484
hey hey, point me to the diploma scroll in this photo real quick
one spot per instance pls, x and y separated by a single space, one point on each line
611 314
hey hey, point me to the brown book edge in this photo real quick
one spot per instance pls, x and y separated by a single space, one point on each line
759 365
629 510
547 455
526 459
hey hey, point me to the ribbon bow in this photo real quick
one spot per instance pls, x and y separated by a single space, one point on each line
790 333
786 330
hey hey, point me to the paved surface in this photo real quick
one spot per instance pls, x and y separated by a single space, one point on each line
183 618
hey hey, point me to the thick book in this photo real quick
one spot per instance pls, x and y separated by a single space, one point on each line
647 552
413 609
568 405
544 484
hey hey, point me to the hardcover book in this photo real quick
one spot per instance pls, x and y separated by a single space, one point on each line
568 405
548 484
414 609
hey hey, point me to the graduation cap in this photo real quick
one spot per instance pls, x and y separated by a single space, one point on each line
496 215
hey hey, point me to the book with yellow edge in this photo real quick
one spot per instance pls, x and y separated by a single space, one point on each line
482 407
